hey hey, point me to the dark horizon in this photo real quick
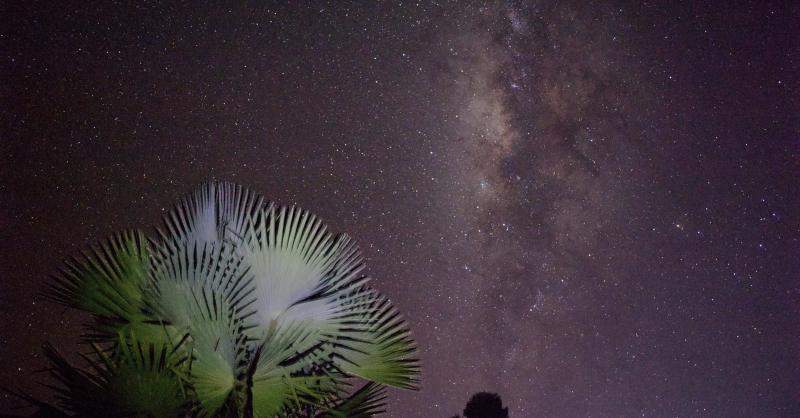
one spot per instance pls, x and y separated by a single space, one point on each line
589 209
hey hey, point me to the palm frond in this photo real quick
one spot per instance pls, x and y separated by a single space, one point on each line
363 403
107 283
378 346
297 264
213 214
219 354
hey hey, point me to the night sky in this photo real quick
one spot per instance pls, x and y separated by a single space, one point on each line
590 209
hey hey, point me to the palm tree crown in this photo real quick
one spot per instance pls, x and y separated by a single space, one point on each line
237 308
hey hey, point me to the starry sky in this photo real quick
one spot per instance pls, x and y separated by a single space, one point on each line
590 208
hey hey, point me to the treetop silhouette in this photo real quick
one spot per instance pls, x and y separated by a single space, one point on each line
485 405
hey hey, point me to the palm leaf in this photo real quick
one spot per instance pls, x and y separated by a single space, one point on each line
107 282
219 352
300 274
378 347
213 214
298 268
364 403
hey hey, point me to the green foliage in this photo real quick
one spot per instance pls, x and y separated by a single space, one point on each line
238 308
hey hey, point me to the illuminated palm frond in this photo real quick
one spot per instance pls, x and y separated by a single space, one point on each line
107 282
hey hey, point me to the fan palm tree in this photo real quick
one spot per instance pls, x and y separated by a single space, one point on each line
238 308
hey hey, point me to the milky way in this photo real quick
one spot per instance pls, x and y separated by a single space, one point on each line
590 209
542 155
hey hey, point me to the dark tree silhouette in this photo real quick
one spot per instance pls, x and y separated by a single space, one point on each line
485 405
